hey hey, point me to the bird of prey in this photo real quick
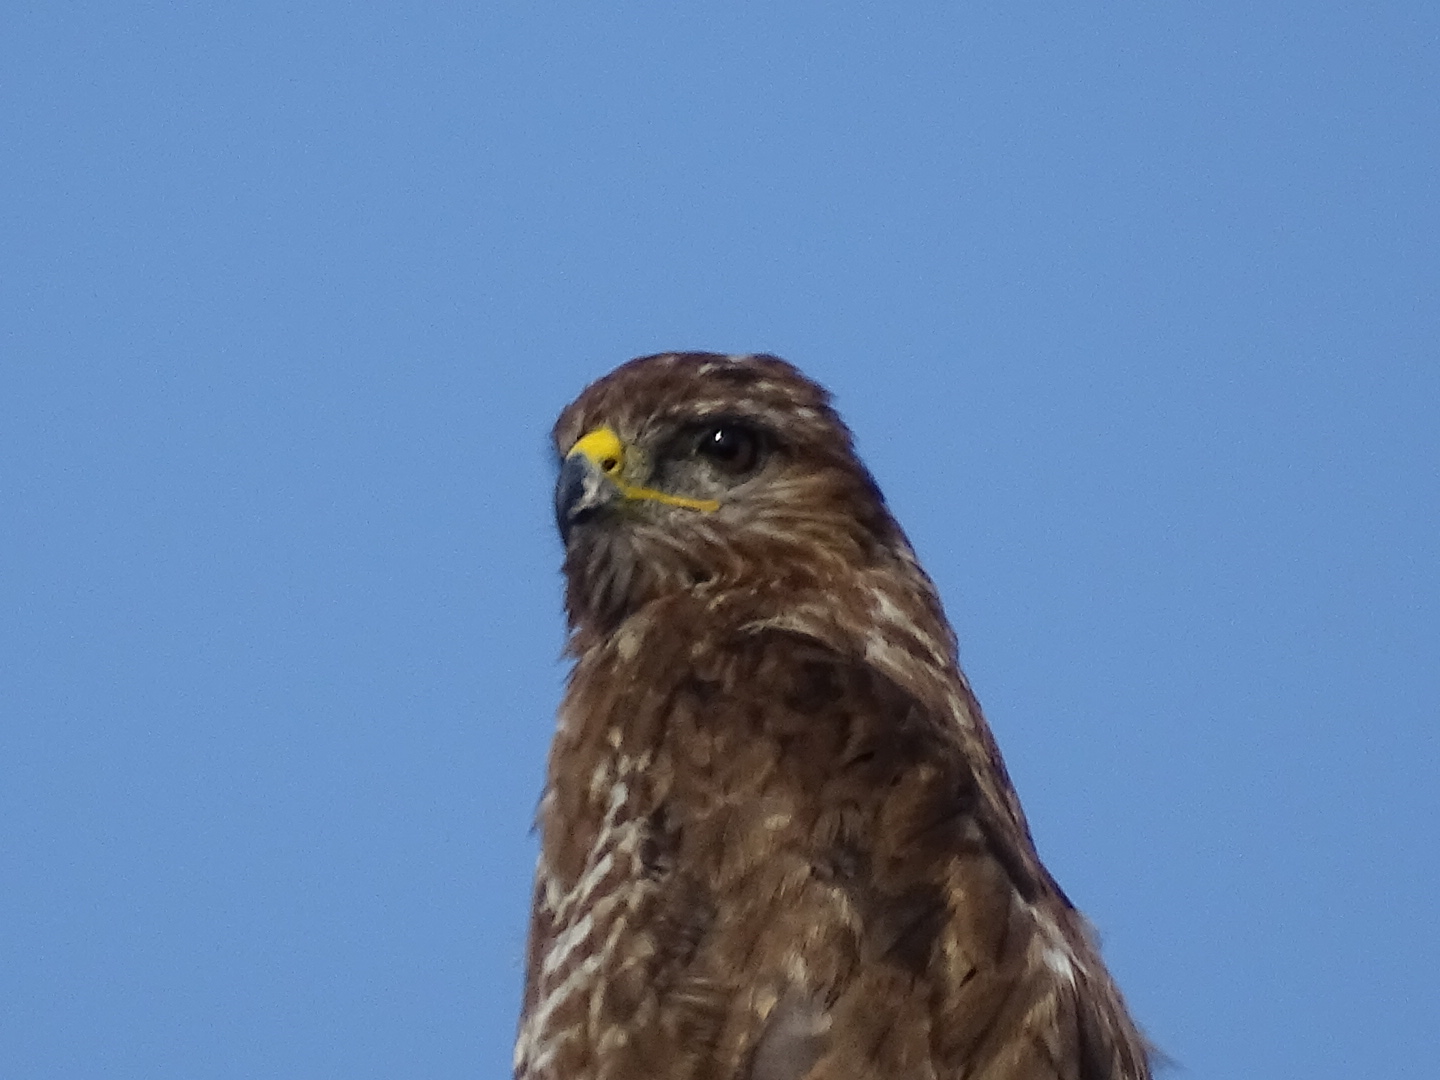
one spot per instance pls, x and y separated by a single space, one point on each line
778 841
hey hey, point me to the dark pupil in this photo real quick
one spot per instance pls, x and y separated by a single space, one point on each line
725 443
731 446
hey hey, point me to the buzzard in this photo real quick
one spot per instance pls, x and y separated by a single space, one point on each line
778 841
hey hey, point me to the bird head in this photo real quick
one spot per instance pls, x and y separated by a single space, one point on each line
697 472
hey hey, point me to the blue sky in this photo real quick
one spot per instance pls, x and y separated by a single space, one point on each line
1133 310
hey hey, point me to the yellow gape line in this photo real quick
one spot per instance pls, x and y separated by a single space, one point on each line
604 448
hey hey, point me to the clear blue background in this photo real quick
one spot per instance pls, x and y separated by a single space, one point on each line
1134 309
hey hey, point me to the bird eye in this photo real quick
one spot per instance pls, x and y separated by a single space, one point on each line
733 447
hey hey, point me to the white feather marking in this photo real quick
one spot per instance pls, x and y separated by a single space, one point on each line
565 942
879 650
540 1018
587 884
582 914
887 611
1055 951
627 640
1059 963
553 896
601 778
601 860
618 794
575 935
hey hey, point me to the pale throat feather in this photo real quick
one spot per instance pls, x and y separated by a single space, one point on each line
590 915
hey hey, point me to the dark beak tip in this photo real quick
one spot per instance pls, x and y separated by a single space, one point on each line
581 491
569 491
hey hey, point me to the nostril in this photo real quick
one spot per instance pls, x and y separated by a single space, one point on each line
609 465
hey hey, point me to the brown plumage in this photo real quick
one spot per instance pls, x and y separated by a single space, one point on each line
777 839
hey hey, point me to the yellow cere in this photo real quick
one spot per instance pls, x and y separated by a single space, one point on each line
603 447
605 450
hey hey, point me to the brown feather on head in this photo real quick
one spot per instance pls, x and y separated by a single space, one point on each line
778 840
749 436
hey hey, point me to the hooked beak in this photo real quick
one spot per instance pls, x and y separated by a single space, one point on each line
581 492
